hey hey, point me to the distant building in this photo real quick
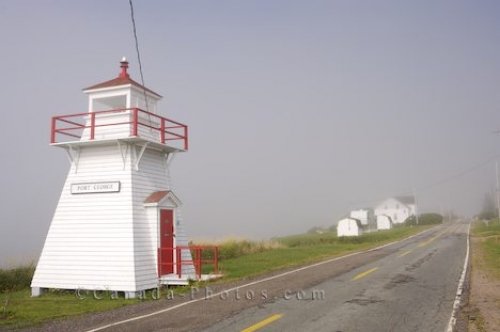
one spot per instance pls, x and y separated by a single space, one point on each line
349 227
397 208
365 216
383 222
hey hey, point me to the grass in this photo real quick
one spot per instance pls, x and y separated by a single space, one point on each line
485 257
489 245
477 320
18 309
239 259
307 248
234 247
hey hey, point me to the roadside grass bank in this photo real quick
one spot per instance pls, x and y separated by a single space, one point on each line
239 259
483 309
306 248
18 309
488 234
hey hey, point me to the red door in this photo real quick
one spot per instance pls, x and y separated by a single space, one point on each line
166 252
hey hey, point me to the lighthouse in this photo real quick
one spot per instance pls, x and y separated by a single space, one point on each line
117 226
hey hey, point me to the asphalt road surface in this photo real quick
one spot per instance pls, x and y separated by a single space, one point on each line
405 286
411 289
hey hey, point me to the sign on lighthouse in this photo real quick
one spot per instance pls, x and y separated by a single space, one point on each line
117 225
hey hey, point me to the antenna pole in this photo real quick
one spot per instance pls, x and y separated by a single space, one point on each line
416 206
498 188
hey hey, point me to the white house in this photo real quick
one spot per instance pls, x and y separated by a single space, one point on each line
349 227
397 208
365 216
383 222
117 225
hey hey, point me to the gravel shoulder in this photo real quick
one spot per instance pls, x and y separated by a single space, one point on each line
483 308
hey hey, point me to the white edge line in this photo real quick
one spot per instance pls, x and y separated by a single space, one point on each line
460 288
251 284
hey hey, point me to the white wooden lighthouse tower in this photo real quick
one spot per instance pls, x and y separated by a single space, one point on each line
116 226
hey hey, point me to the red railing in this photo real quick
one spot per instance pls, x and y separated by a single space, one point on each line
83 126
201 256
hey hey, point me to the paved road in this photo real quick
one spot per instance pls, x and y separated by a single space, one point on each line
411 289
406 286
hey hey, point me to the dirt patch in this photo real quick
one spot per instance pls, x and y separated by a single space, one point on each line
483 309
365 301
420 262
398 280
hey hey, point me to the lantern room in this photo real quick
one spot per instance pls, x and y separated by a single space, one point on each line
120 109
121 93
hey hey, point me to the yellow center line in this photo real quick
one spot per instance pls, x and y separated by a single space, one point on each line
263 323
422 244
405 253
364 274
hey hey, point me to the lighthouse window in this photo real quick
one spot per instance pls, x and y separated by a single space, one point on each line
109 103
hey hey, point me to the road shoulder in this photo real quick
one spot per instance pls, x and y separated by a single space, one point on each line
482 312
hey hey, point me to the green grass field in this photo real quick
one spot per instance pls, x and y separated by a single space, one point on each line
489 234
18 309
307 248
239 259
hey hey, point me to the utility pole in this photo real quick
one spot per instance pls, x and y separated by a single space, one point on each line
498 188
416 207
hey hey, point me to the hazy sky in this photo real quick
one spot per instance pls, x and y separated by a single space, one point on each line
298 110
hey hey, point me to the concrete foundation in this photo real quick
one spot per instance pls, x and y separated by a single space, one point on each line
36 291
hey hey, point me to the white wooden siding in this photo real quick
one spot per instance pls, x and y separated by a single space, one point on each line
89 245
393 208
106 240
150 177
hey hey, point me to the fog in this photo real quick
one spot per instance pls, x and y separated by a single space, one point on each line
298 110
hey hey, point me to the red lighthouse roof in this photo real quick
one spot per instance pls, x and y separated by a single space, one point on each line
122 79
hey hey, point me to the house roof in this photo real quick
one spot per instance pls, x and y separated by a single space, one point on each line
357 221
122 79
406 199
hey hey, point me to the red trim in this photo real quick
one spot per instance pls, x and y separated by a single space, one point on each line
156 196
166 256
73 126
92 126
124 67
122 79
162 131
52 131
197 259
135 123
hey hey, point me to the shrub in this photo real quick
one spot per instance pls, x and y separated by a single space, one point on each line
308 239
16 279
232 248
425 219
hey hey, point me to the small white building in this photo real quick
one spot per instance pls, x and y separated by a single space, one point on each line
117 225
349 227
383 222
365 216
397 208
